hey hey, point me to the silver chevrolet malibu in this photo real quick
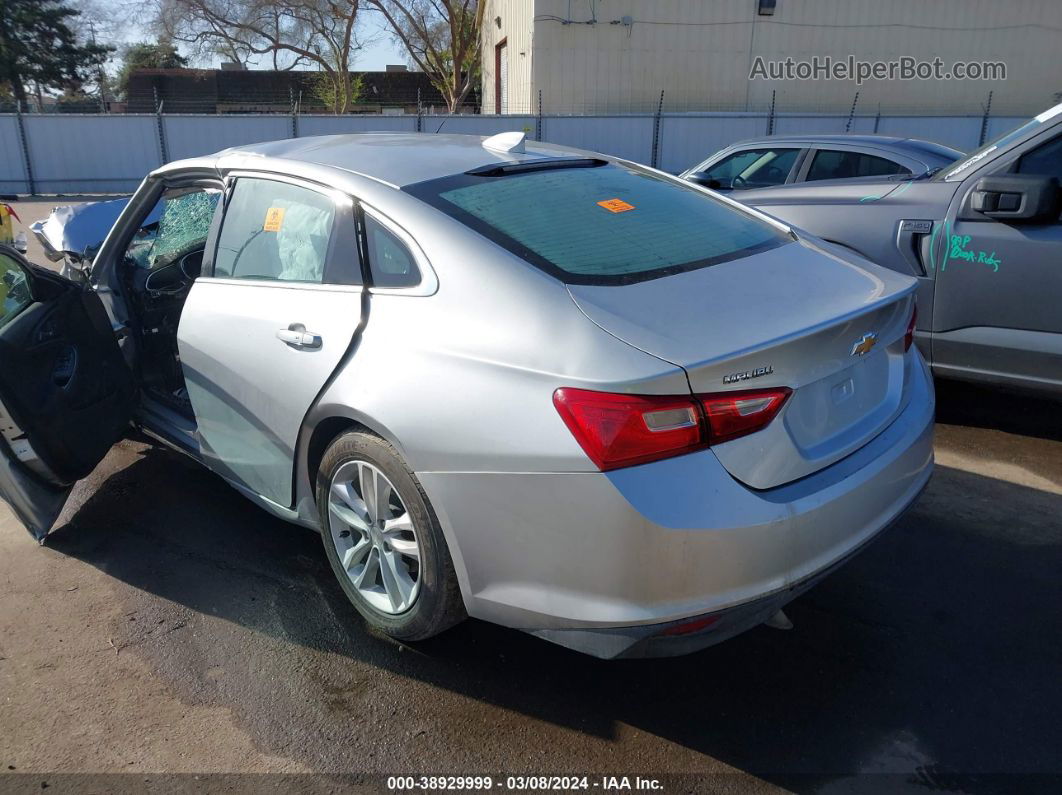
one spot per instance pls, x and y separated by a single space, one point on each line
532 384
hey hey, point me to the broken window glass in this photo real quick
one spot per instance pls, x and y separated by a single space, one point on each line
181 228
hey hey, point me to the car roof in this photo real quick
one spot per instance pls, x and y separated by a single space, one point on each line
397 159
914 146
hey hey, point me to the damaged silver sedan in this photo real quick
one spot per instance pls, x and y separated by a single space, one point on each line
532 384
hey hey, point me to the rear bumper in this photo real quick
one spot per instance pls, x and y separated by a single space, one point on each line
605 563
688 635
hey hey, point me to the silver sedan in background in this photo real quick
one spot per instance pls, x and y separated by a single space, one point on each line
794 159
532 384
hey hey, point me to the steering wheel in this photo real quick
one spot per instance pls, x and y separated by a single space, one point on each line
738 182
191 265
164 281
177 274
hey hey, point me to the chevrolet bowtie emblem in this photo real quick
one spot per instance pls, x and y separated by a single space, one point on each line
865 344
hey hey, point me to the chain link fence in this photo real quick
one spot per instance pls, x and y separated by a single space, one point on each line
111 153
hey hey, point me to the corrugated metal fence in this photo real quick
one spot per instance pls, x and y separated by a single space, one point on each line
110 154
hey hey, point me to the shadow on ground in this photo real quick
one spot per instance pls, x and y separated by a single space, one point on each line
934 654
972 405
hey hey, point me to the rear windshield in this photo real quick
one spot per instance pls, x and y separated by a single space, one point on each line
945 153
597 223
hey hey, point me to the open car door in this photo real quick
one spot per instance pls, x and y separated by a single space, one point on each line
66 394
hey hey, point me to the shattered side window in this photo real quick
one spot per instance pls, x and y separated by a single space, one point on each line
182 227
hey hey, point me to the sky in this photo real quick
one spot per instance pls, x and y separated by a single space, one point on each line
372 58
381 53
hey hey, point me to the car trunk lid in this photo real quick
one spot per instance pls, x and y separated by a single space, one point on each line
795 316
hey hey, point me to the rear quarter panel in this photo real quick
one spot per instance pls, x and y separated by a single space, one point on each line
462 380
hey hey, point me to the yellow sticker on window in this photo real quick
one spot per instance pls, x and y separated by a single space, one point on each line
616 205
274 219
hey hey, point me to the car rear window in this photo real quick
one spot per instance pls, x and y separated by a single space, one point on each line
596 223
836 164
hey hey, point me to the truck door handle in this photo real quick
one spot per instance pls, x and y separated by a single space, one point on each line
297 336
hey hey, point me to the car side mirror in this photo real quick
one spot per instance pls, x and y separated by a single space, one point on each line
1022 198
704 180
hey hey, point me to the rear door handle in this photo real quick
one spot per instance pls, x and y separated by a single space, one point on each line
297 336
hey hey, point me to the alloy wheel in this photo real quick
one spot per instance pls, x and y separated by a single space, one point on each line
374 537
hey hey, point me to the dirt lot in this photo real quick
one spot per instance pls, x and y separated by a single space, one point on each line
169 626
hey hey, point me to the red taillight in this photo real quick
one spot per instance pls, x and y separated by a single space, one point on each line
617 430
623 430
908 338
734 414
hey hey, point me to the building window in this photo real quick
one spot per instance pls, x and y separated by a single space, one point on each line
501 77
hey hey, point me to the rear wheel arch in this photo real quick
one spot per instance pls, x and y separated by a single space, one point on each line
324 433
329 427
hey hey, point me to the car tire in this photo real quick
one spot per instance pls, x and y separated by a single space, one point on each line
435 604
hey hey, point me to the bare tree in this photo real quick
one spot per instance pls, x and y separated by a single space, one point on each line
442 39
291 32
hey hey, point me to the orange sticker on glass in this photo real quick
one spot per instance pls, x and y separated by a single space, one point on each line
274 219
616 205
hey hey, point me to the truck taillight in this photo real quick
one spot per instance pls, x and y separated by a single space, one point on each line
908 338
618 430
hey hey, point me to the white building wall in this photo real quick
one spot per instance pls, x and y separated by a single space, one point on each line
700 52
517 30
